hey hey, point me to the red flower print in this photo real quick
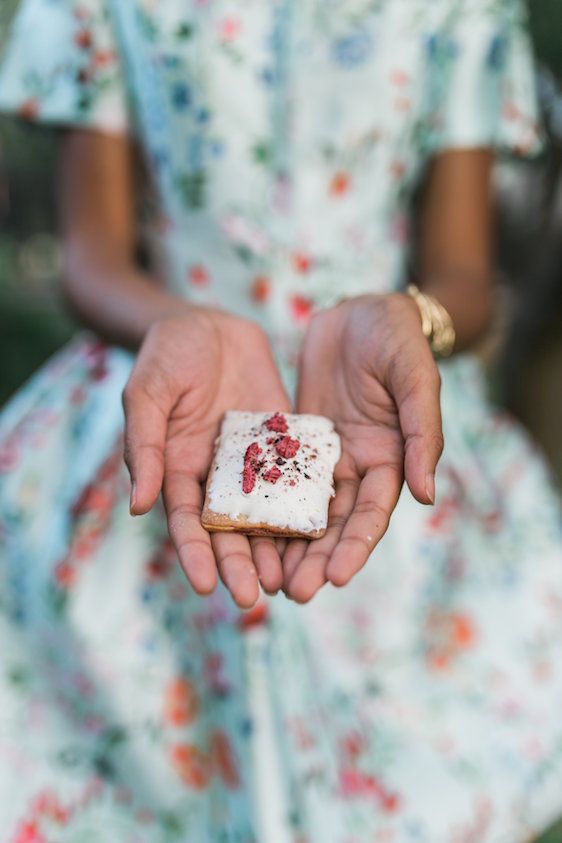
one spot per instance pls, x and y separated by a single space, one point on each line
159 568
191 764
29 110
47 804
440 519
398 169
449 633
223 760
340 184
301 308
181 705
65 575
29 833
463 630
254 617
301 262
199 276
260 289
83 39
102 58
353 744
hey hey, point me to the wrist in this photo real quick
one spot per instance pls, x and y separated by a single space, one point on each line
470 300
436 323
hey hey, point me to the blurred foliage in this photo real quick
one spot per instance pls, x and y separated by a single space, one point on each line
33 322
545 23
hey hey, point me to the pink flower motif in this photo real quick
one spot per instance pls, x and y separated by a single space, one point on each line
356 783
244 232
47 804
398 170
400 78
213 673
102 58
402 104
229 28
8 457
81 13
29 833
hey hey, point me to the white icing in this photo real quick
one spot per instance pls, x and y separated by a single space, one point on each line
302 507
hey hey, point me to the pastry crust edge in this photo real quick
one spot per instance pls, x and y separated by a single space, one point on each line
215 522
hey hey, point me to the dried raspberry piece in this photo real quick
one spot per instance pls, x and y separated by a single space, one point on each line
287 447
277 423
273 475
251 466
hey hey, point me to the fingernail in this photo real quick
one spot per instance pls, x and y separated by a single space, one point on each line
430 487
133 497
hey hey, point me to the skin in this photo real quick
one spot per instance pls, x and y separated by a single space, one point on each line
365 364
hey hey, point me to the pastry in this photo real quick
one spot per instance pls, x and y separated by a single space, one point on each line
272 475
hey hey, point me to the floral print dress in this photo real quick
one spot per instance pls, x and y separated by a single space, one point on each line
420 704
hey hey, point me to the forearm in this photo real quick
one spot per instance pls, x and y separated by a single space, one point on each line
113 297
455 254
101 282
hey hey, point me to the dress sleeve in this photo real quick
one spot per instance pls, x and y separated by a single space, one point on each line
481 88
61 66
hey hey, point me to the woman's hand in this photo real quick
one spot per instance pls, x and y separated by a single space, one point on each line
367 365
191 369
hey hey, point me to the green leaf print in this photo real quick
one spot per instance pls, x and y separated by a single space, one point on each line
184 31
263 152
191 187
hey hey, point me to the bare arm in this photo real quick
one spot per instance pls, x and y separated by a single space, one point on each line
101 282
192 365
455 248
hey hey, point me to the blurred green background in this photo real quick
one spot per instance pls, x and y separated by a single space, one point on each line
528 366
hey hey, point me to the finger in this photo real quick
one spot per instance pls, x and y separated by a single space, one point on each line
378 495
310 574
281 545
145 438
416 390
236 567
292 557
267 563
183 500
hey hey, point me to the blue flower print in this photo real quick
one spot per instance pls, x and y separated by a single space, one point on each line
497 53
353 50
181 96
441 49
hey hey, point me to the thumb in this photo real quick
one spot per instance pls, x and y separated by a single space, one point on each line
416 385
146 422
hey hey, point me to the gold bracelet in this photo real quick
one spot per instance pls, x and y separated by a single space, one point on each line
437 325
